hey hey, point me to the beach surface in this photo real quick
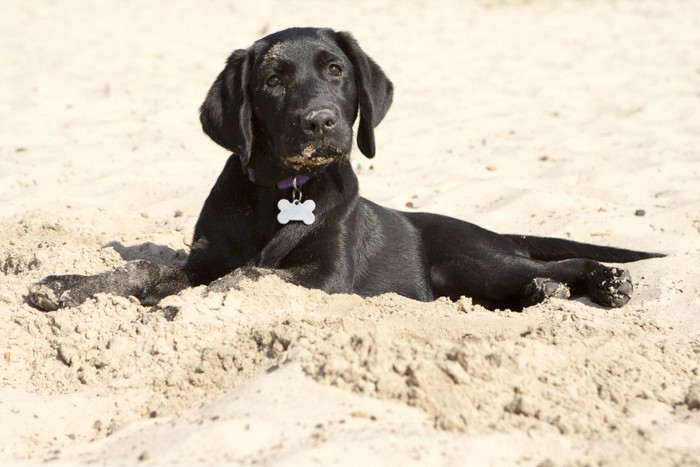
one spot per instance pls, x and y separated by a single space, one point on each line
578 120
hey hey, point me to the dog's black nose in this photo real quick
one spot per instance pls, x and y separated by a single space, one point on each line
319 122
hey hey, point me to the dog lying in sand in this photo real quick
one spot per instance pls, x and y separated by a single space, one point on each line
287 201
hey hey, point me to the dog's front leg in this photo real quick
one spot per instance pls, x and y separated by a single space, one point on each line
148 282
231 281
306 276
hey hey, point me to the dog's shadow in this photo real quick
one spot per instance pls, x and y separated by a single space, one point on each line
149 251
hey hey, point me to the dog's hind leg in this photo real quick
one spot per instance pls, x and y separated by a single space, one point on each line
148 282
506 278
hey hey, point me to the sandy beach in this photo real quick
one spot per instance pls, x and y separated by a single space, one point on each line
571 119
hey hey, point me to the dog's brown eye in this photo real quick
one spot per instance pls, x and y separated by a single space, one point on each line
274 81
335 70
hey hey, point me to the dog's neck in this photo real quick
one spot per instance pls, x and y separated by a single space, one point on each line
284 184
338 174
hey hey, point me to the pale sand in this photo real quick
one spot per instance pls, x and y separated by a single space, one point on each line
543 117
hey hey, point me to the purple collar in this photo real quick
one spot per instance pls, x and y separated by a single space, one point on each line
285 184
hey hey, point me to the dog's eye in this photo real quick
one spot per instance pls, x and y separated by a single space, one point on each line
274 81
335 70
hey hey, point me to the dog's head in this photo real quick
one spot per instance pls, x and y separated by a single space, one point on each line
287 104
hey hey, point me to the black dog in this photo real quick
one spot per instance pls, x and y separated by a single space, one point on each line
285 108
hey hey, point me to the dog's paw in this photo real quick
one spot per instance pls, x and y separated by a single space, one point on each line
53 292
541 289
610 287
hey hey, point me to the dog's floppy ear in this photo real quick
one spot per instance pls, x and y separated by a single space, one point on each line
225 113
374 90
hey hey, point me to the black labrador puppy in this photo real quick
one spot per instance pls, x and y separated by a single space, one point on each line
287 201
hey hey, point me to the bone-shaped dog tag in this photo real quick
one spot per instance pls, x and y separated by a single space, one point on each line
296 211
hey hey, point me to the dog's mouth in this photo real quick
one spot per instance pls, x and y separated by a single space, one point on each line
312 157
